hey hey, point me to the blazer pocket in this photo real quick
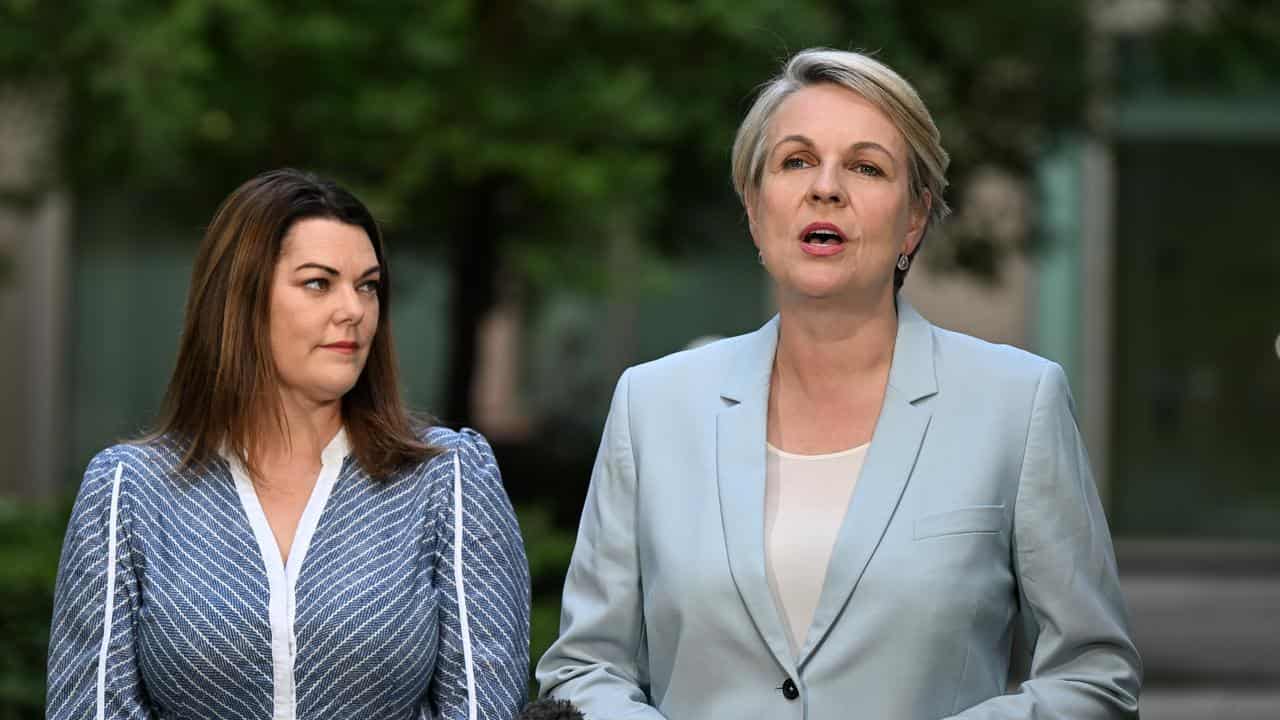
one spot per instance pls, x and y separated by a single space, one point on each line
977 519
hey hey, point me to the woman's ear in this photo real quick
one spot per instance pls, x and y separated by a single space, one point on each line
918 221
751 223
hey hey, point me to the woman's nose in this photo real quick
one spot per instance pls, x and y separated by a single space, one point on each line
350 307
826 188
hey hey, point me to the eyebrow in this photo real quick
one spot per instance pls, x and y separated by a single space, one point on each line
332 271
862 145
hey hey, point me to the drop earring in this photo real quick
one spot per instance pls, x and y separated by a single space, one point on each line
904 262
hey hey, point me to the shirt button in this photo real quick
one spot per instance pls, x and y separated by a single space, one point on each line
789 689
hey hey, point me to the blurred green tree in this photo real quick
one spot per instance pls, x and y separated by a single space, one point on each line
30 540
509 133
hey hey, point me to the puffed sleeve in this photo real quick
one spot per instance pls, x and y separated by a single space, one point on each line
1084 665
93 669
482 669
599 661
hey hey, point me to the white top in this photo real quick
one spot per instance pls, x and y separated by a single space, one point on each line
805 500
282 576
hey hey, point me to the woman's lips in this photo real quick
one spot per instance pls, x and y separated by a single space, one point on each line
822 250
346 348
822 239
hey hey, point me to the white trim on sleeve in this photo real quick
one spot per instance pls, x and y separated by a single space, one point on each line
110 603
462 595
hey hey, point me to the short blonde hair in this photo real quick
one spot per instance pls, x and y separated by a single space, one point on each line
872 80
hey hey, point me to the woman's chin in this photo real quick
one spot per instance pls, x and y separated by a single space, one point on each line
324 390
819 287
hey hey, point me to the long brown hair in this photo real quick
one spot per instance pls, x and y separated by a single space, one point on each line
224 392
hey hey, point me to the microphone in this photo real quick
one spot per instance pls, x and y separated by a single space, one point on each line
550 709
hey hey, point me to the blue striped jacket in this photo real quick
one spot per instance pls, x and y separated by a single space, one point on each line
172 600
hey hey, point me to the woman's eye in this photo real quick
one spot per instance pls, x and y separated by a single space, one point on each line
316 284
370 287
867 169
793 163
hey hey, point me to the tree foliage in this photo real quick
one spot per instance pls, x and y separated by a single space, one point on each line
1225 49
510 132
581 105
567 112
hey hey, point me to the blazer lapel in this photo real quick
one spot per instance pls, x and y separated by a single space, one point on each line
895 444
740 472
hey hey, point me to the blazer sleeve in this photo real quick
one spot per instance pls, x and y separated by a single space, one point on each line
482 665
599 661
1083 664
93 667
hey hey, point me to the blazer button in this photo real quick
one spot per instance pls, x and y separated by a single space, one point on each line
789 689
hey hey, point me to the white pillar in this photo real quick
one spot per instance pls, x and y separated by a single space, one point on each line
35 230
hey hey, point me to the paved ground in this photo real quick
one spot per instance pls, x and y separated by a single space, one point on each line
1206 619
1207 630
1160 704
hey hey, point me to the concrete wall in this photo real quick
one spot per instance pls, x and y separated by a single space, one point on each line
35 219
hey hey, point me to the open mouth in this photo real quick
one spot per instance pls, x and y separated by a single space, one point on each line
823 237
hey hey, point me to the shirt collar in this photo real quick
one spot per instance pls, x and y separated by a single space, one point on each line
338 448
334 453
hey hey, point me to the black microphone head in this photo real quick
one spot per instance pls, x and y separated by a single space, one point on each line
550 709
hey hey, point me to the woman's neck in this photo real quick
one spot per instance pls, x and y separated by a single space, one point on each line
822 344
308 428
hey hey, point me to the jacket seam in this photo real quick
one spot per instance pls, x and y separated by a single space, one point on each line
625 380
1014 550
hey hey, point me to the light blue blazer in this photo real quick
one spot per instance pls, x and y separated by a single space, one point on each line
975 521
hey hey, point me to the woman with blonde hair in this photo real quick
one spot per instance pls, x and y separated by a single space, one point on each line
849 512
288 543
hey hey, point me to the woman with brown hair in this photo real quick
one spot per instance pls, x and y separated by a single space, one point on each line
287 544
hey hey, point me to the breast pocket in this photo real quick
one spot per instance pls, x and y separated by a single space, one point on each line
978 519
